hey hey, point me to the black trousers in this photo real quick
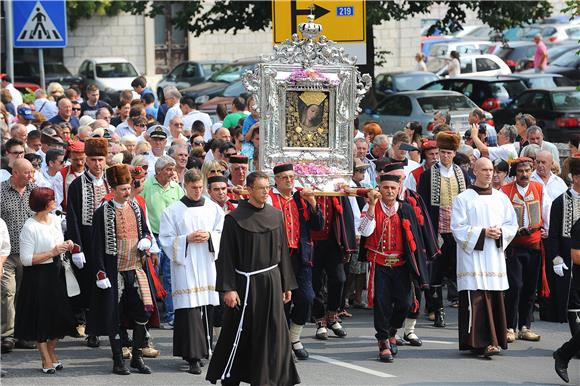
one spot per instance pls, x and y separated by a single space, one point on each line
303 296
571 347
131 306
392 299
445 265
327 260
523 270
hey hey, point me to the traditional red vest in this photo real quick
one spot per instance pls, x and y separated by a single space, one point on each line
417 173
533 205
328 206
386 240
291 217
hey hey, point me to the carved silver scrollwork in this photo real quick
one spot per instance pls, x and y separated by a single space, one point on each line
311 63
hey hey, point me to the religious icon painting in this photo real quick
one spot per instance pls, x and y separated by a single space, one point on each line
307 119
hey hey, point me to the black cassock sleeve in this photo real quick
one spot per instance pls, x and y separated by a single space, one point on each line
74 215
226 263
285 265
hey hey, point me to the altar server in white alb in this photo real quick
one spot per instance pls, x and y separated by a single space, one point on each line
483 223
190 233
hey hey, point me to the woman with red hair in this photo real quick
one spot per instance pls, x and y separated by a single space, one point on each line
43 313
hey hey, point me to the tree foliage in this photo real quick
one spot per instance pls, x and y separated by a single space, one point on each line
232 15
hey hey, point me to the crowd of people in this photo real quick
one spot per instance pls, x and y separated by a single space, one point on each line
153 215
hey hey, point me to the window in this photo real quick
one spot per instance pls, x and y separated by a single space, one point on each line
573 33
507 90
396 105
569 59
384 82
533 101
566 100
116 70
190 71
485 64
447 102
466 65
178 71
90 70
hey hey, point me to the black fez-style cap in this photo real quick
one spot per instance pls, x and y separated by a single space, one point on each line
390 177
213 179
393 166
283 168
238 159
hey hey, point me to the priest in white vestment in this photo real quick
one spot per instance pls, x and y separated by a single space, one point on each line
483 223
190 232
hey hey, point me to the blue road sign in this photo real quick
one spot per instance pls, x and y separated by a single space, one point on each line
39 23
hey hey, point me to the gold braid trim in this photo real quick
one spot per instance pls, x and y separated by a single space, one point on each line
193 290
484 274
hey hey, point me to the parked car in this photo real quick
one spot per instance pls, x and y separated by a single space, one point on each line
220 80
512 52
552 33
23 87
480 65
554 52
428 41
487 92
188 74
542 80
396 110
53 72
440 51
567 65
557 111
393 82
111 75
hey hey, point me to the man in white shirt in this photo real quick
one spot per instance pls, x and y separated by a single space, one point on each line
191 114
135 124
505 139
157 137
553 185
175 131
172 98
536 136
47 177
6 83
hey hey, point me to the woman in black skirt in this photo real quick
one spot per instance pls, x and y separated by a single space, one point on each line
43 313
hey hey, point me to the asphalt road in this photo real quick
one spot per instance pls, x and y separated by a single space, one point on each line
349 361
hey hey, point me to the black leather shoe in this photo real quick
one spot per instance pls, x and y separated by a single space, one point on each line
119 367
337 329
7 345
561 366
25 344
385 354
137 362
93 341
299 351
439 318
194 368
413 340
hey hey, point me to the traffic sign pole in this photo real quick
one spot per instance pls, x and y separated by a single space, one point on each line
41 65
9 40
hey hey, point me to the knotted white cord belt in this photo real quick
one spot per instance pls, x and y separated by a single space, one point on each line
230 363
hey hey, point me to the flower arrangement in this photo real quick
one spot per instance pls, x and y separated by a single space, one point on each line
307 74
313 169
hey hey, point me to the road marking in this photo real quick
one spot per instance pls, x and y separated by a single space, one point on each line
352 367
424 340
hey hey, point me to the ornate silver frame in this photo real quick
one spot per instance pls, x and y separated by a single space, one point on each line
308 64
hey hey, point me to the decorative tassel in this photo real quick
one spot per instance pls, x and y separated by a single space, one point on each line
545 290
370 286
159 290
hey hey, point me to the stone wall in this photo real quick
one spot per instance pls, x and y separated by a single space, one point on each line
103 36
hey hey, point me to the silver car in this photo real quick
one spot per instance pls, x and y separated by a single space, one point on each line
395 111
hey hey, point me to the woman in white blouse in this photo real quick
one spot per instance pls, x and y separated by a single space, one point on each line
43 313
454 67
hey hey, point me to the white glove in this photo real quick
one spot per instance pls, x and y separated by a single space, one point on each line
79 259
104 284
144 244
559 269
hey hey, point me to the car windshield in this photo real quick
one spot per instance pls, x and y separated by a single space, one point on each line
548 82
228 74
412 82
210 68
569 59
507 90
56 68
566 100
116 70
446 102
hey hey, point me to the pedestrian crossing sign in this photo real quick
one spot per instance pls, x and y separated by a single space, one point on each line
39 24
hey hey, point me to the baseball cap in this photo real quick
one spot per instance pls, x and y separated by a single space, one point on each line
26 113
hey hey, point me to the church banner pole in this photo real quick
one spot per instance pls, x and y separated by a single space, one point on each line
41 65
